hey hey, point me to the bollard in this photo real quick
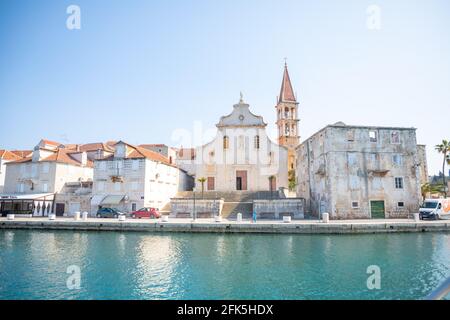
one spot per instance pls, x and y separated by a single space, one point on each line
10 217
325 217
165 218
52 217
286 219
218 219
122 217
239 217
416 217
85 216
77 215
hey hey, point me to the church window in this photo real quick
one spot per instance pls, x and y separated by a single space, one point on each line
286 130
226 142
256 142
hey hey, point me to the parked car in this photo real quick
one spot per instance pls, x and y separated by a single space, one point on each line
151 213
108 213
435 209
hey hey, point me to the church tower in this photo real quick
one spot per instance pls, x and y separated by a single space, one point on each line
287 120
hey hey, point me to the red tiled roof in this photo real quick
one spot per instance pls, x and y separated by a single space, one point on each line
95 146
59 156
8 155
286 92
52 143
22 153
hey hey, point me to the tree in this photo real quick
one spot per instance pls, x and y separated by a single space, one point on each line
444 148
292 183
202 180
431 188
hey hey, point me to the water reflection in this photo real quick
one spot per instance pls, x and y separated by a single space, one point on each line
208 266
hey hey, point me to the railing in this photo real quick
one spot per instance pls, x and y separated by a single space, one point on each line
440 292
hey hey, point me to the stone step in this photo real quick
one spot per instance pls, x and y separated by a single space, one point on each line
235 196
231 209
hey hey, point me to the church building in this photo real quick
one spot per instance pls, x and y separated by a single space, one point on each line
241 157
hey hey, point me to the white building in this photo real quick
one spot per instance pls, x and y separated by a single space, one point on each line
241 157
5 156
135 177
32 182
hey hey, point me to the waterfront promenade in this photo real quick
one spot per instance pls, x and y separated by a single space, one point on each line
231 226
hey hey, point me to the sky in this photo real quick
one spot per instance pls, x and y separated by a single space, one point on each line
161 71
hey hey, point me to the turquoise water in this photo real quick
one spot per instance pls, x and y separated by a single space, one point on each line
114 265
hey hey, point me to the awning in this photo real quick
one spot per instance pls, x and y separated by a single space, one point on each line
97 199
32 196
112 200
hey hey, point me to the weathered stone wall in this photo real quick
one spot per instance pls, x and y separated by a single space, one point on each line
276 209
204 208
341 169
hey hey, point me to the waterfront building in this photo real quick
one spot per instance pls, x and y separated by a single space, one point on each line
32 182
241 157
135 177
361 171
5 157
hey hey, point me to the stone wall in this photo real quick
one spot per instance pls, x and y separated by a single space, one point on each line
276 209
204 208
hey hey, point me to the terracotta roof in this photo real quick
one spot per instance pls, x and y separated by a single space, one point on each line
22 153
140 152
8 155
152 145
286 92
52 143
59 156
95 146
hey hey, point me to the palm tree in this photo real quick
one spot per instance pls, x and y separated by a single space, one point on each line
202 180
444 148
431 188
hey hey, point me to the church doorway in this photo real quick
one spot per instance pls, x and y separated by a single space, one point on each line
241 180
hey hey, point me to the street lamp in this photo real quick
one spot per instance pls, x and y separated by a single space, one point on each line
193 211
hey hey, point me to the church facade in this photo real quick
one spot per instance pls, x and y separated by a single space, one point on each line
241 157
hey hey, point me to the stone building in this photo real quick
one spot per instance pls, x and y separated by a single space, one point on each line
168 152
361 172
135 177
32 182
241 157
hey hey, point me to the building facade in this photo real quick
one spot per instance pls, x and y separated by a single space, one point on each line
241 157
135 177
32 182
360 172
5 157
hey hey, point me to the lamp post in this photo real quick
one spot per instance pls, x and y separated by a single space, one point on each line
193 211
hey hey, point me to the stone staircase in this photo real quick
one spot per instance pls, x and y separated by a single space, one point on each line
234 202
231 209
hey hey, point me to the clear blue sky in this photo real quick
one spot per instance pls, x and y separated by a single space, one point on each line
141 70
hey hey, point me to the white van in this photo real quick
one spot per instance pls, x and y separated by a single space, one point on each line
435 209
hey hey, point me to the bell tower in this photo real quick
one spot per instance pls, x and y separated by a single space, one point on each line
287 121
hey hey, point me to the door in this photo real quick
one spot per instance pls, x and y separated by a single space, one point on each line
377 209
59 210
241 180
211 183
273 183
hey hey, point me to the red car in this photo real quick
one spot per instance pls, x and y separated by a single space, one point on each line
151 213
